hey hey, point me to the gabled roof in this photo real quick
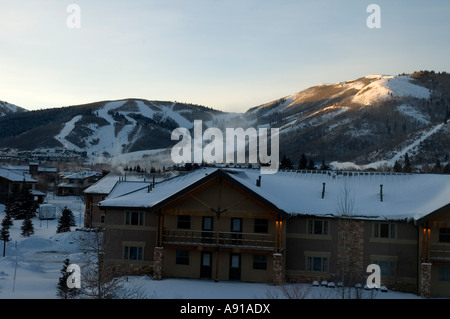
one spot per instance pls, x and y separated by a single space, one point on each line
16 177
404 196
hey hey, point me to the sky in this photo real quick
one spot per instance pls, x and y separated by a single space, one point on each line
230 55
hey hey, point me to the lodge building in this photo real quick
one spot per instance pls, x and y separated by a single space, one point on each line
234 224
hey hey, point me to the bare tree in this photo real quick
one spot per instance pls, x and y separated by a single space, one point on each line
100 280
345 209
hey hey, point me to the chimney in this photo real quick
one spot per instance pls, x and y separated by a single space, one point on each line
381 192
258 181
323 190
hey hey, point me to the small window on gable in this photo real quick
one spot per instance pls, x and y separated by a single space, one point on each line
261 225
184 222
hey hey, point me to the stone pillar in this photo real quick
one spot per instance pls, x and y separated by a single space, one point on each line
350 249
278 274
425 280
158 256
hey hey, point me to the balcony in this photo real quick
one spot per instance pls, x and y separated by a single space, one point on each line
440 252
219 239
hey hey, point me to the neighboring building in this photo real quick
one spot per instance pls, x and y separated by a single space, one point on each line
234 224
115 184
76 183
9 180
46 177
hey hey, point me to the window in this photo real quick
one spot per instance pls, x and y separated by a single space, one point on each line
384 230
318 227
236 224
261 226
387 268
134 218
260 262
184 222
444 273
236 229
132 253
317 264
444 235
207 223
102 219
182 257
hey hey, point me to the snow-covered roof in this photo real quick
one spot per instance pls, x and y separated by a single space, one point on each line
405 196
15 177
107 183
83 175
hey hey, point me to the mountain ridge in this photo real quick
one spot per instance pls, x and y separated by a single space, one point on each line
372 119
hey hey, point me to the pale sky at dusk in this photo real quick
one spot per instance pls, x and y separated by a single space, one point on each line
229 55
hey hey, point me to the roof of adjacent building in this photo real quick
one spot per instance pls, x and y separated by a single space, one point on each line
368 195
108 182
16 177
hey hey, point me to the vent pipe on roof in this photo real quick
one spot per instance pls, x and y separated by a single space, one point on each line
258 181
153 184
381 192
323 190
149 188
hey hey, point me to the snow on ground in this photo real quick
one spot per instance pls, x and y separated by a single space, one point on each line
31 269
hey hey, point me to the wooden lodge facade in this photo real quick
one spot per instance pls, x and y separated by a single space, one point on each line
220 225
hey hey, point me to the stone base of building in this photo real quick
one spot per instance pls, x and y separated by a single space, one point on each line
158 256
278 274
425 280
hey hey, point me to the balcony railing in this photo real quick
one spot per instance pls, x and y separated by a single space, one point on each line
440 252
219 239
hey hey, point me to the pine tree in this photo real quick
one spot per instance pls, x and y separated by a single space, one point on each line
303 163
324 167
4 232
311 164
27 228
62 290
286 163
21 203
397 167
407 165
66 221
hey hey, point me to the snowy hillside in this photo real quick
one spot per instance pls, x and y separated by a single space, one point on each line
369 120
8 108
